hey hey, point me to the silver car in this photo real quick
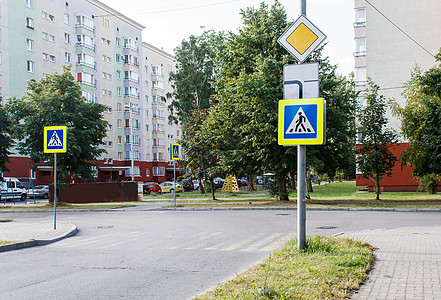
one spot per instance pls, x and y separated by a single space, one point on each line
39 191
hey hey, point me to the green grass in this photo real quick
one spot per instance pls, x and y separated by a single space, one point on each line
2 243
328 268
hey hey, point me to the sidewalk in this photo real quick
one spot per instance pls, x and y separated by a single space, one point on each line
408 263
33 234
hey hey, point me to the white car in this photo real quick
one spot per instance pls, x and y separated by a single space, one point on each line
39 191
12 189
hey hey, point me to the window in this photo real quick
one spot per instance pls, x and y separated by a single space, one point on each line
146 98
119 139
67 38
119 122
29 3
147 172
30 66
104 92
85 21
136 170
45 56
44 36
118 58
109 76
118 107
85 59
146 113
51 38
30 22
360 76
136 140
360 17
127 139
147 128
44 15
110 145
360 46
29 45
118 42
51 18
66 19
67 57
147 157
157 85
147 143
118 92
118 74
52 58
130 43
85 40
157 70
85 78
90 97
119 155
109 127
127 123
158 171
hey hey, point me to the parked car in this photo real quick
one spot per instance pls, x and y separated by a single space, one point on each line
150 187
195 184
188 186
12 189
39 191
169 187
218 182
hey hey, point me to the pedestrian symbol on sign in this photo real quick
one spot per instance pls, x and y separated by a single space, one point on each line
300 123
55 140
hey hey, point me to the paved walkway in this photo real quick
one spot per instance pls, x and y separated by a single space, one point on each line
33 234
408 263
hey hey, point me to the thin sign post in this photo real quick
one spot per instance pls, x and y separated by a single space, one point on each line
299 124
55 141
175 155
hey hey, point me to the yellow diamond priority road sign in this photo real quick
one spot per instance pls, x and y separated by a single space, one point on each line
301 38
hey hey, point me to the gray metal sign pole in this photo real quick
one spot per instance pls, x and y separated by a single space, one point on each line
55 191
174 179
301 181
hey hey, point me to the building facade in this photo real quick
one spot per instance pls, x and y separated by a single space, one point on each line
113 67
391 38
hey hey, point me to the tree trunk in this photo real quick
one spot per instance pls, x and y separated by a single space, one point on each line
377 184
201 186
281 182
250 182
212 188
309 183
292 177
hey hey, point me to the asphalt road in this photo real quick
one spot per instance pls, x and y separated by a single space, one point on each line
164 254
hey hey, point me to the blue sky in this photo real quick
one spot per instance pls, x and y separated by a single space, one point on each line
168 22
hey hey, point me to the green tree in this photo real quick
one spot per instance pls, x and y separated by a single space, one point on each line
375 159
200 156
244 123
421 123
193 80
5 138
56 100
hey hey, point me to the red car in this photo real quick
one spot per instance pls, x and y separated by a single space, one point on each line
149 187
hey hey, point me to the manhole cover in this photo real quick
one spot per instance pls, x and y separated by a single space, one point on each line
104 227
326 227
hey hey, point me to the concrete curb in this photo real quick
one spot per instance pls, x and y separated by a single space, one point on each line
295 208
33 243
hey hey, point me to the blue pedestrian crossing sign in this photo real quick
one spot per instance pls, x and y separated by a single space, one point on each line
55 139
302 122
175 151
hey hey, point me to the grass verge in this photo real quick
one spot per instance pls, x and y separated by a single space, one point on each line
2 243
328 268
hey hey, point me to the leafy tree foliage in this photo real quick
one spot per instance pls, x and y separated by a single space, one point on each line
193 80
56 100
375 159
5 139
421 123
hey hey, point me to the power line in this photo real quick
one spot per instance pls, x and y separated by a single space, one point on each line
149 11
413 40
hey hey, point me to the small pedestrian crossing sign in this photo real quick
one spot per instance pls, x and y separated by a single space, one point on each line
55 139
175 151
301 122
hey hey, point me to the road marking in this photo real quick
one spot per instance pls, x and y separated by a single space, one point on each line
243 242
277 244
262 242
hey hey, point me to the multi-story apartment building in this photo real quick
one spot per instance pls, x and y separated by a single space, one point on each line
113 67
391 38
